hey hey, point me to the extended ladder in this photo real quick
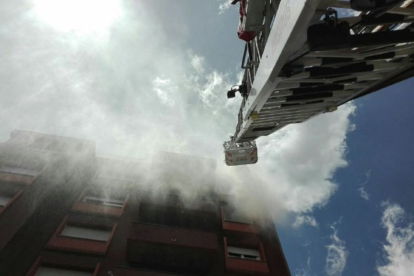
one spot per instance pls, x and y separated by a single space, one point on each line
304 61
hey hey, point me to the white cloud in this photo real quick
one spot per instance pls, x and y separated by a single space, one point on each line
165 89
60 15
337 255
362 192
302 158
306 271
296 166
198 63
214 83
144 88
301 272
304 219
130 93
225 5
399 246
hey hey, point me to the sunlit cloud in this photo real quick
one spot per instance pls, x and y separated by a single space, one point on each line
198 63
165 89
305 271
301 159
362 192
138 93
337 255
399 246
84 16
224 5
305 220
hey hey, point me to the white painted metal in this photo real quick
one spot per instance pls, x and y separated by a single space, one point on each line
254 15
286 36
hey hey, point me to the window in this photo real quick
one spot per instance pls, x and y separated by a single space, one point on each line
17 170
49 271
105 201
236 216
104 197
177 259
243 253
235 221
86 233
46 266
17 174
4 200
83 234
118 173
90 199
7 197
245 256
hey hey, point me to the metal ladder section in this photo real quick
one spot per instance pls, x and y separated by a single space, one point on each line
291 75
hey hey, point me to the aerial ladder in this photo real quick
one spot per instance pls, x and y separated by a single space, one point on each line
301 60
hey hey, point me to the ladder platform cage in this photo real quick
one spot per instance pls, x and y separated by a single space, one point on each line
244 153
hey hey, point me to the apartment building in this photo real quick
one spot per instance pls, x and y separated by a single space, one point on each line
66 211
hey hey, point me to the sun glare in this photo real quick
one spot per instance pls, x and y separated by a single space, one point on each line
85 16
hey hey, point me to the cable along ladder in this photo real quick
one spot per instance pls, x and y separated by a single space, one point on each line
302 61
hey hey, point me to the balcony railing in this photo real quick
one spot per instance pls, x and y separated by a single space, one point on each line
172 249
178 217
142 232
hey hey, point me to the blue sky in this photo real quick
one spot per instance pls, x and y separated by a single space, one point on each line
378 179
140 76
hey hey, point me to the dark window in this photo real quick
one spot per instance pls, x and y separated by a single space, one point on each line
7 197
234 215
83 232
107 201
17 170
170 258
178 217
243 253
49 271
101 197
4 200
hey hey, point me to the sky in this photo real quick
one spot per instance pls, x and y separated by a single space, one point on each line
141 76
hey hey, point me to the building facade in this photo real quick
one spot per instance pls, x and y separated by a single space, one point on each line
66 211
